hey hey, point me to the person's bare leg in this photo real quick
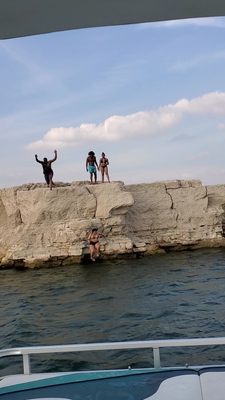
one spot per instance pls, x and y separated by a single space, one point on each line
95 175
107 173
97 249
102 172
91 177
92 252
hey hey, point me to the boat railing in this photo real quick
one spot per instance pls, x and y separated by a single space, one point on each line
155 345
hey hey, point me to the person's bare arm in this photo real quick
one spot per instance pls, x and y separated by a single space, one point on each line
55 158
96 164
88 236
36 158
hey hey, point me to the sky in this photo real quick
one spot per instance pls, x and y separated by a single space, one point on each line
151 96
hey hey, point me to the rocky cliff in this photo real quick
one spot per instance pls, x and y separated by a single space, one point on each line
40 227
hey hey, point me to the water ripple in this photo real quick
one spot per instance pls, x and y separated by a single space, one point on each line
176 295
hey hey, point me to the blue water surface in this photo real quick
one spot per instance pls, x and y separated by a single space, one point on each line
176 295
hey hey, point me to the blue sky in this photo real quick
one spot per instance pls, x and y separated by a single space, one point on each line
151 96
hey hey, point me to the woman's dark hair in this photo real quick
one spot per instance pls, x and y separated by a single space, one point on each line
91 153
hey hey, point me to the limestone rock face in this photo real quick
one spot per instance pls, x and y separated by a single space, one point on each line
177 214
39 226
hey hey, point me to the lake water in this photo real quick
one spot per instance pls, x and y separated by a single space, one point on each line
176 295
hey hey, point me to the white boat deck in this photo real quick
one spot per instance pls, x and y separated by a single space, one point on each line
157 383
21 378
190 385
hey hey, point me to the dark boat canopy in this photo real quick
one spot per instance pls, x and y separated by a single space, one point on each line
32 17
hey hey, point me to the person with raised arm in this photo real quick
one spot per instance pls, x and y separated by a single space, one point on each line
47 169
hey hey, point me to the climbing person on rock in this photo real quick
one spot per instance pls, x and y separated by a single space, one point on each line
47 169
94 245
103 166
91 165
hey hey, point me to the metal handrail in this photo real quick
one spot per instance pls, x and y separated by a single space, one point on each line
155 345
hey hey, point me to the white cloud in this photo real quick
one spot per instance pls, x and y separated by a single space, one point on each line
143 123
210 103
114 128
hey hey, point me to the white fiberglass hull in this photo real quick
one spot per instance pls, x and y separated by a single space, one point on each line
157 383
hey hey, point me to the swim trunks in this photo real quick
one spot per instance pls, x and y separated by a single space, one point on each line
92 169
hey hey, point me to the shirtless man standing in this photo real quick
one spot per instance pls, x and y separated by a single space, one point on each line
91 165
103 165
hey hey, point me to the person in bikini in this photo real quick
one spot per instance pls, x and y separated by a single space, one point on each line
103 165
94 245
91 165
47 169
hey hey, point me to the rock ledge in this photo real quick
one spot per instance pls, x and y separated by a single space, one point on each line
42 227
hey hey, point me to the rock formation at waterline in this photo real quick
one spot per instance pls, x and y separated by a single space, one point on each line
42 227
